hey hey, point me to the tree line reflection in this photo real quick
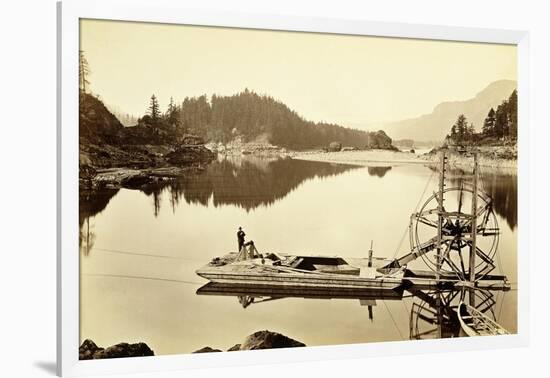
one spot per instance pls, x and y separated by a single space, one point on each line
250 183
502 187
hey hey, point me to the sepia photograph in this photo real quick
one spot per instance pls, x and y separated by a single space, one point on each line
245 189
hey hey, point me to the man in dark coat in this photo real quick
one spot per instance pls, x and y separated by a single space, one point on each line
240 237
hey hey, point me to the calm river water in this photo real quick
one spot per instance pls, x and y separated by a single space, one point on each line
140 249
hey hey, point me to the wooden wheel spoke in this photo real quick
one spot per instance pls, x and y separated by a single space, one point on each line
482 255
426 318
428 332
462 263
480 212
427 222
455 268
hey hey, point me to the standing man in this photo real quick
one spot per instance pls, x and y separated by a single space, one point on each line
240 238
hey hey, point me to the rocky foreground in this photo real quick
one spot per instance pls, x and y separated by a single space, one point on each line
259 340
90 351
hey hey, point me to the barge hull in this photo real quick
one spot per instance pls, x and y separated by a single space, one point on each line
302 281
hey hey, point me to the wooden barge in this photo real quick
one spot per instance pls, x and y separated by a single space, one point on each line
457 246
251 268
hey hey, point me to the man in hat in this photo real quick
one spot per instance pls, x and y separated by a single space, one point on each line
240 237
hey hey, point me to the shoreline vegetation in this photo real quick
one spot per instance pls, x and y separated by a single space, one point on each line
155 153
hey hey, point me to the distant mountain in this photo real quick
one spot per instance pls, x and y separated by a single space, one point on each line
436 125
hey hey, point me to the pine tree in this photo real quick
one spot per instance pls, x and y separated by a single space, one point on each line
501 120
154 110
489 124
461 127
171 107
172 116
513 115
83 71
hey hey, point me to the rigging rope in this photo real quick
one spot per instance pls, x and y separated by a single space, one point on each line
393 320
501 305
143 278
122 252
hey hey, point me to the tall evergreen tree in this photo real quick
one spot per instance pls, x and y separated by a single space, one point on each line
461 126
513 114
489 123
154 110
501 120
83 71
172 116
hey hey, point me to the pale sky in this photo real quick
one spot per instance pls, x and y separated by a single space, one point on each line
349 80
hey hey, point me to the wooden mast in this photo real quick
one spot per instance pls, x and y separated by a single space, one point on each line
440 209
473 232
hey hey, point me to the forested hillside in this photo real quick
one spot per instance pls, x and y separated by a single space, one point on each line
253 117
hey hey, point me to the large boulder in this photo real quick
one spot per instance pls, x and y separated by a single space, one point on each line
207 349
380 140
191 140
234 348
259 340
89 350
335 146
268 340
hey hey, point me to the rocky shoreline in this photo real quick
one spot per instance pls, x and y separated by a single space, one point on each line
108 172
498 157
493 157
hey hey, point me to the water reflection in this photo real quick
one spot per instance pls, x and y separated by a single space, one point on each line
433 313
378 171
91 202
249 183
502 187
245 182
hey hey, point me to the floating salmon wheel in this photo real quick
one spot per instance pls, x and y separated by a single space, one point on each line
468 227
